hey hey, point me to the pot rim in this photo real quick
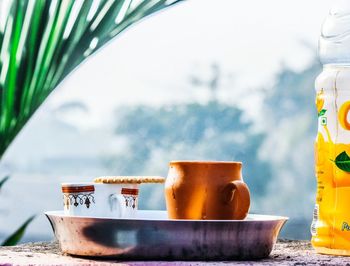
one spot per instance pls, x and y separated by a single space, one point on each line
204 162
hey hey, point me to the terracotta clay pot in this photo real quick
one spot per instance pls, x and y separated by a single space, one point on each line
206 191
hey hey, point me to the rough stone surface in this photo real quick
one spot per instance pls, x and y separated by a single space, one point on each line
286 252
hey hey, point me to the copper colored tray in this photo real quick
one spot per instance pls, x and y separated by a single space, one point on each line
152 236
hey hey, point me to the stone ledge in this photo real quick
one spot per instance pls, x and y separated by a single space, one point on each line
286 252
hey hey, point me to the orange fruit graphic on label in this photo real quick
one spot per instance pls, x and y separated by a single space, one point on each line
343 115
323 162
319 101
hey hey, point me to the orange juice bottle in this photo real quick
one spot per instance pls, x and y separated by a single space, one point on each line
330 228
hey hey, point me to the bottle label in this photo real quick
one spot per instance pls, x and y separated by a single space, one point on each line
331 218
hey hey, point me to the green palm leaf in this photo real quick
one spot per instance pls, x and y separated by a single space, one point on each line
3 181
42 41
343 162
17 235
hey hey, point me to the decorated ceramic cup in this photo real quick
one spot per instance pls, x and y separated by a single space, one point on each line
111 196
100 200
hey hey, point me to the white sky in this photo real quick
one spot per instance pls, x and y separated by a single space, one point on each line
152 61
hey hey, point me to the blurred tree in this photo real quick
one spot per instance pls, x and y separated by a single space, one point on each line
213 83
278 162
213 131
291 127
293 93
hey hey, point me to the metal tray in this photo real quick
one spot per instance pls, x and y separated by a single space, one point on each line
152 236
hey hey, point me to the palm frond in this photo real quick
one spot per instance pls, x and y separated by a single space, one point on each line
3 181
18 234
42 41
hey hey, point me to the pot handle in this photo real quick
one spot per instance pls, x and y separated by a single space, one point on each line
241 196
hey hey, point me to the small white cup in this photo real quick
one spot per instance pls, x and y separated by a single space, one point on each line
100 200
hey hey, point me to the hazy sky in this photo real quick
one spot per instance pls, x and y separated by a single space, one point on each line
152 61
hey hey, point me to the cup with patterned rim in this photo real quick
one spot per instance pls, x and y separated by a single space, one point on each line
109 196
100 200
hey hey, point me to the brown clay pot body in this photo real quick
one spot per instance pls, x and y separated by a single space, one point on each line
206 190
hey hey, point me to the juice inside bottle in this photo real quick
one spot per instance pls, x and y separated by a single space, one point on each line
331 218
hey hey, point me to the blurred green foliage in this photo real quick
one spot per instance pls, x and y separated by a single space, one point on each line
212 131
276 148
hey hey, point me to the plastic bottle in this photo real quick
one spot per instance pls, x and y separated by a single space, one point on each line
331 218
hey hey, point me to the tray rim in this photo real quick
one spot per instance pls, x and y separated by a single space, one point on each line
254 218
